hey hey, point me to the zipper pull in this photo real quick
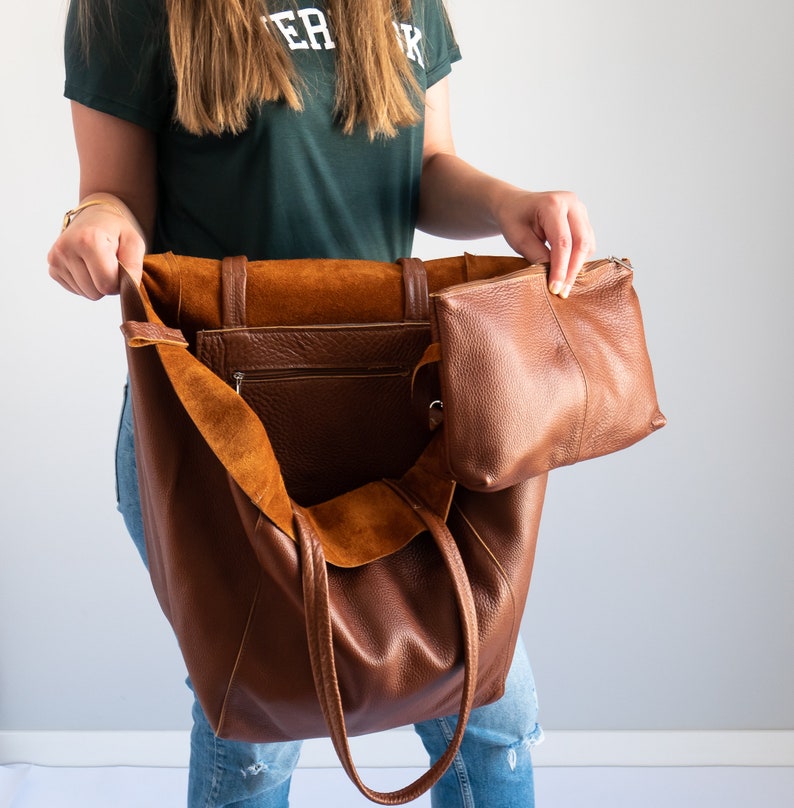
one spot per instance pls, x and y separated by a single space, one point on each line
238 377
625 264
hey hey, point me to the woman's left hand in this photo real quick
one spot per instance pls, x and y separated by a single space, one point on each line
548 226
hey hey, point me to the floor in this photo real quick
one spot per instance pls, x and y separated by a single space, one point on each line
24 786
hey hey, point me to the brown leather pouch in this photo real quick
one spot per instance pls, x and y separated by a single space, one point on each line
531 381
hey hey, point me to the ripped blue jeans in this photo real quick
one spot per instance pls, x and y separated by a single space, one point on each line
493 768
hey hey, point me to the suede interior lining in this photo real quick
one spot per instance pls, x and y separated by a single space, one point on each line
355 528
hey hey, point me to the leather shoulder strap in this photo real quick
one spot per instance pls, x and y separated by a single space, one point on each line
321 648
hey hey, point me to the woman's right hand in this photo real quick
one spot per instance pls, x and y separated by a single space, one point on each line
86 256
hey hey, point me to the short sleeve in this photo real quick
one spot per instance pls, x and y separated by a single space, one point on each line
441 48
122 66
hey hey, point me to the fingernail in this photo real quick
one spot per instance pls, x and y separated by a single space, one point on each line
555 287
565 292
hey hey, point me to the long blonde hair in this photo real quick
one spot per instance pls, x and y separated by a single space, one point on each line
226 61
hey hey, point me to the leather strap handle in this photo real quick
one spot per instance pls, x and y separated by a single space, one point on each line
233 280
321 649
234 274
417 301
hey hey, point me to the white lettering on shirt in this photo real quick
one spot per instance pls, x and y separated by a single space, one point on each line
289 31
315 26
410 40
320 26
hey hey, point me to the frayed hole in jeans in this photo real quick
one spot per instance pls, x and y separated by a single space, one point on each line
253 770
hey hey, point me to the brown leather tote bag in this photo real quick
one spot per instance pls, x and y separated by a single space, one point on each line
324 573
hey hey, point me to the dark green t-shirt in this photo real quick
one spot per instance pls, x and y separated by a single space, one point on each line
290 186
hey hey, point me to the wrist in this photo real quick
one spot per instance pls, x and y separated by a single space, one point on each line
505 201
70 215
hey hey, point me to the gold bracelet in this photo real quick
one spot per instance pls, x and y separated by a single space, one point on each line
70 214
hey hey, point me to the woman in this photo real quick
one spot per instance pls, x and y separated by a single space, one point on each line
287 130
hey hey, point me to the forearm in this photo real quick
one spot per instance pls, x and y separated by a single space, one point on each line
458 201
117 162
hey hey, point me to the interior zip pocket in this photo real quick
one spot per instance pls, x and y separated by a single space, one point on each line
240 377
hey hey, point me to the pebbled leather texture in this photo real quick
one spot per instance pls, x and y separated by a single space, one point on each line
531 382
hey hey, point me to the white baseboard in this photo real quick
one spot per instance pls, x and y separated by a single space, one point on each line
401 748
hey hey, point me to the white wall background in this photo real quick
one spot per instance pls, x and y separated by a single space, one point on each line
663 595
